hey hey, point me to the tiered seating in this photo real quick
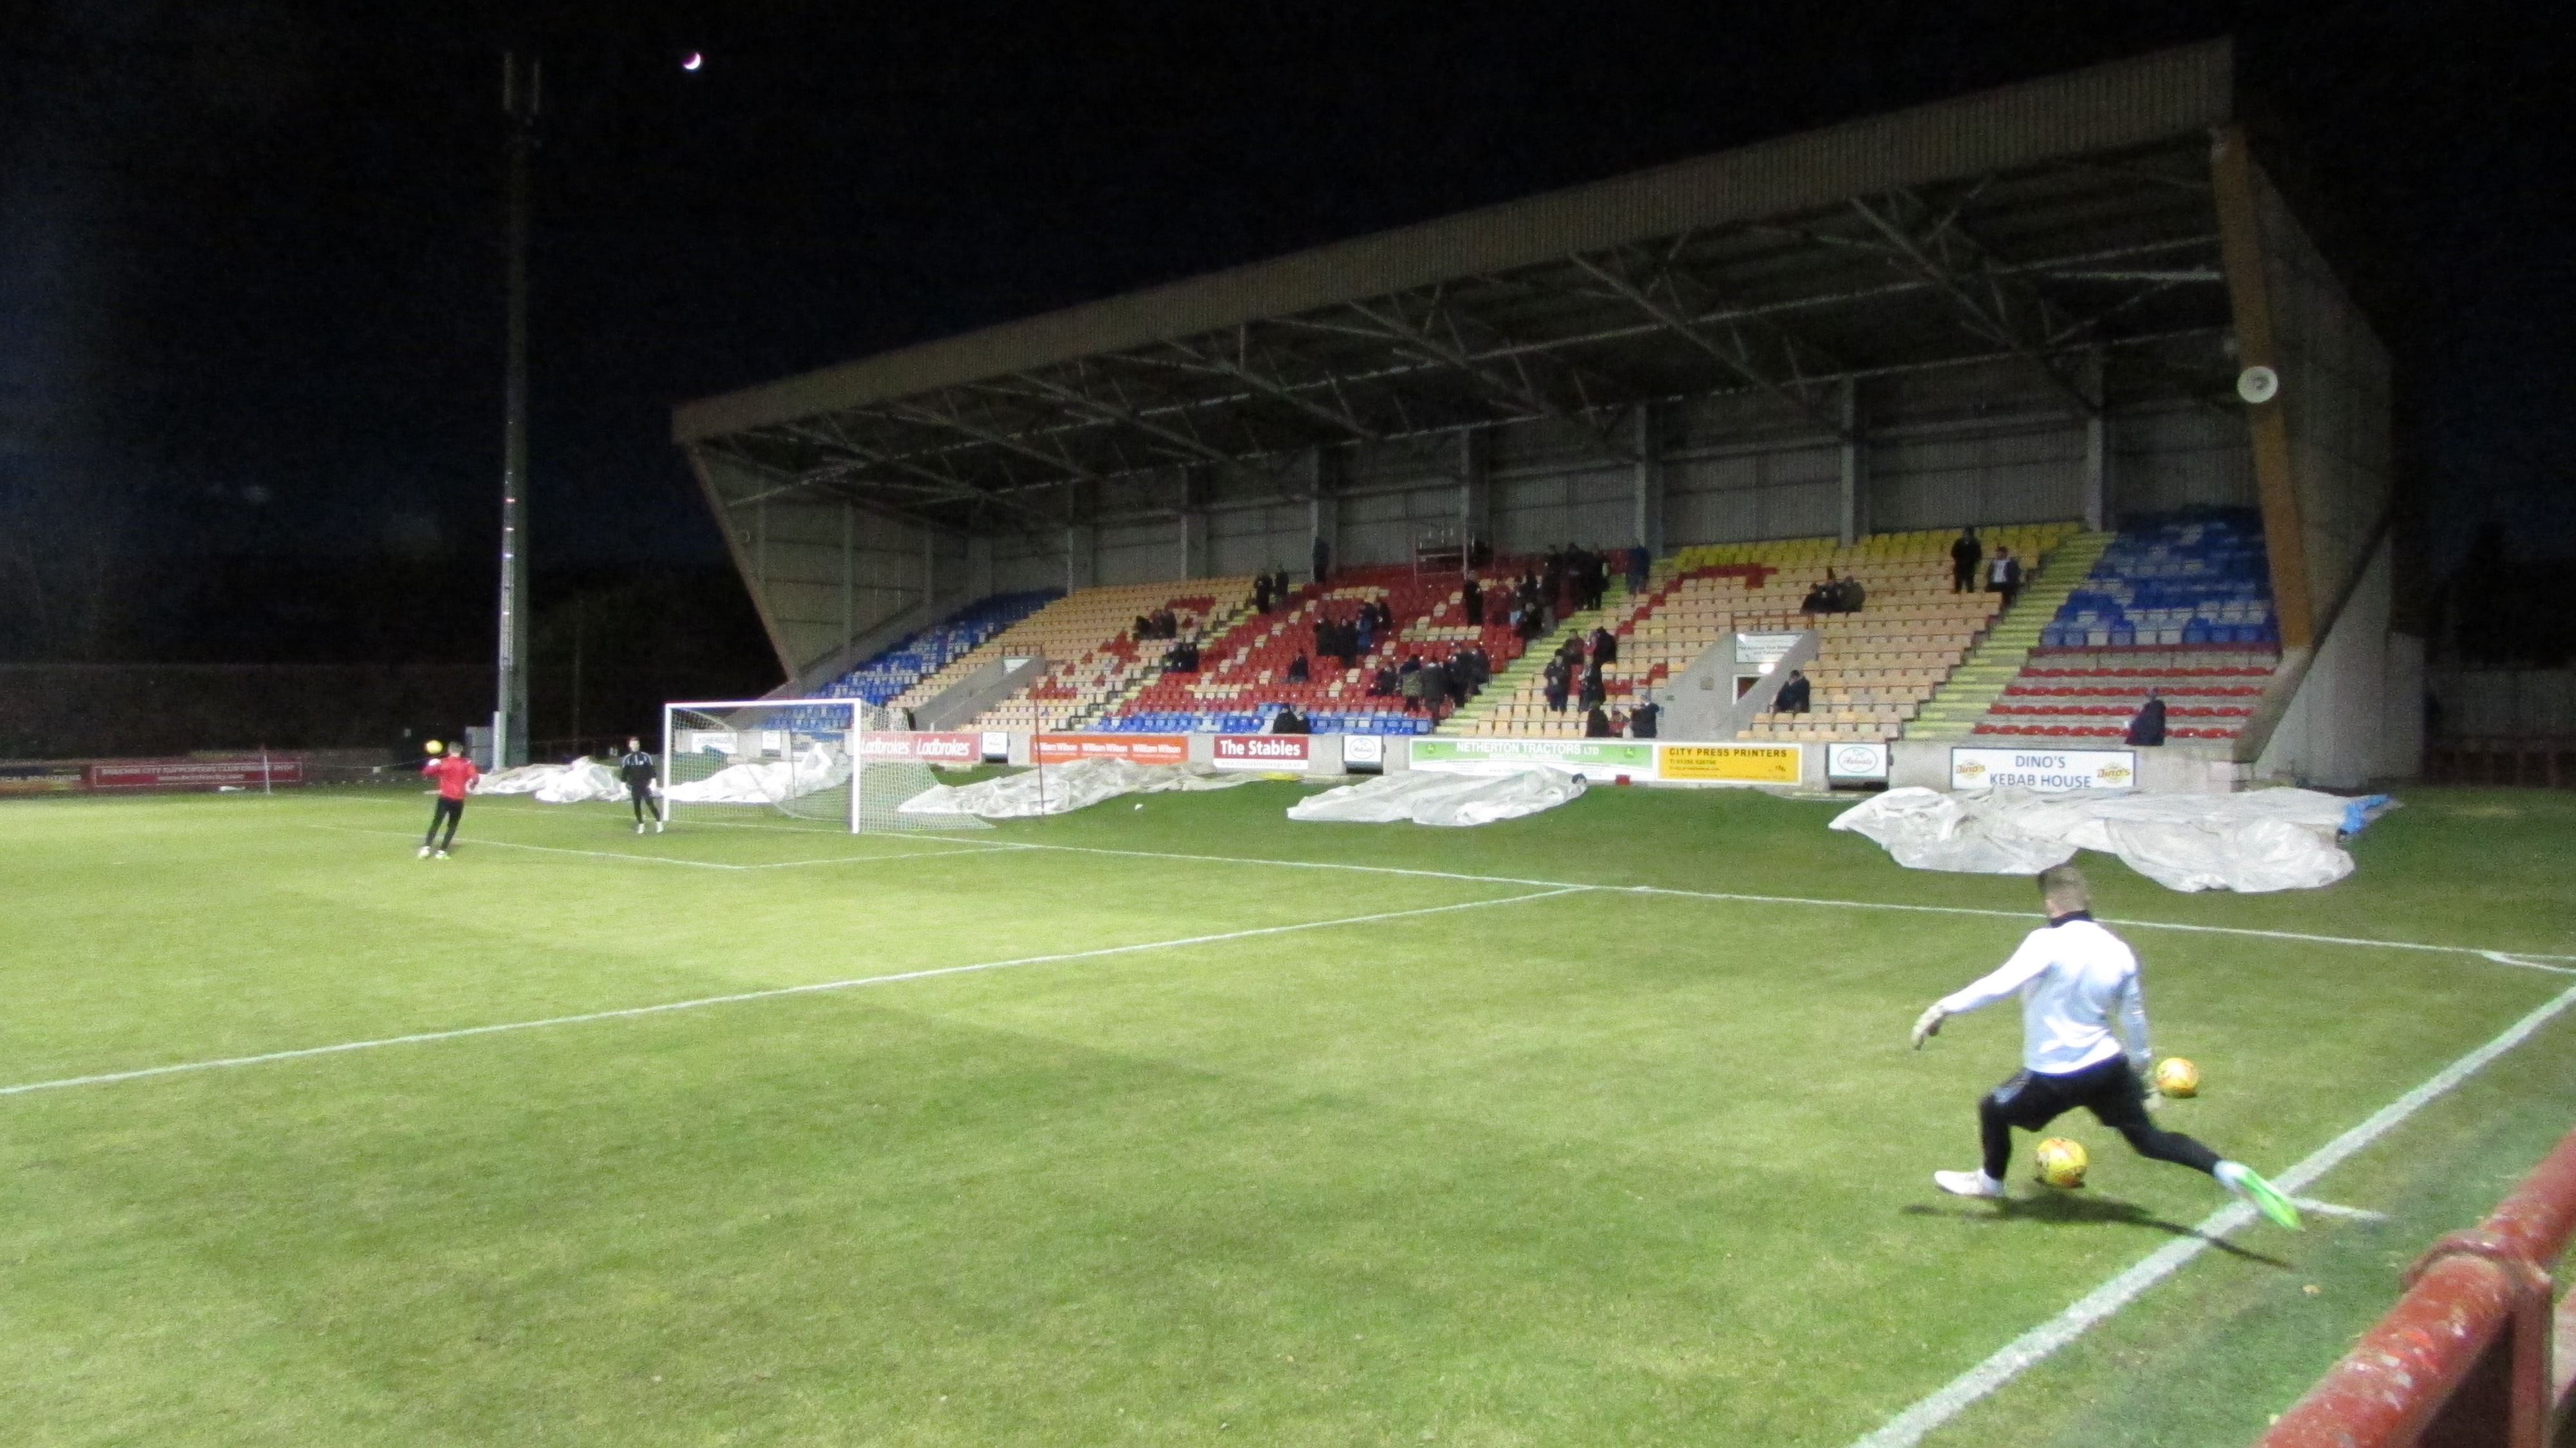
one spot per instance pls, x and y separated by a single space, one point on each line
922 654
1875 666
2092 693
1086 639
2198 579
1243 677
2182 606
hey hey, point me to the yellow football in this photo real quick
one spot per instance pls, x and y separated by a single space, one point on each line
2177 1077
2062 1162
432 747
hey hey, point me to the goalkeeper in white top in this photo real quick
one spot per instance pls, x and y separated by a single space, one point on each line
2074 979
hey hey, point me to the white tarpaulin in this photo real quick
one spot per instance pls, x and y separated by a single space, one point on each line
2267 839
767 781
584 781
1058 788
1429 798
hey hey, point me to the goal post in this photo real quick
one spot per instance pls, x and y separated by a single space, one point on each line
832 762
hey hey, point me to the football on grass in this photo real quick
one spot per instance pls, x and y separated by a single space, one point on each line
2062 1162
2177 1077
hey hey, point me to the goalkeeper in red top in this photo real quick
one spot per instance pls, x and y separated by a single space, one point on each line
455 774
2073 977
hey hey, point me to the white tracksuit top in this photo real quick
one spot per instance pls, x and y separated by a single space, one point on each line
2072 977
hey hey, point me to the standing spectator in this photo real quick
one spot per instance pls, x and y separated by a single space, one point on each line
2149 726
1472 599
1965 555
1794 695
1558 680
1641 567
1646 718
1596 689
1261 593
1605 646
1435 687
1323 558
2003 574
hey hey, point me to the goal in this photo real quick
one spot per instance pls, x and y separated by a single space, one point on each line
833 762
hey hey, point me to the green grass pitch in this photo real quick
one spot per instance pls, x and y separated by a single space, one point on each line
1512 1162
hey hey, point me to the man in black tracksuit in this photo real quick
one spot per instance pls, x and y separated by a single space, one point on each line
635 767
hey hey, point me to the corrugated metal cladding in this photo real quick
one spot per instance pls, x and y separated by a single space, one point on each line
1795 492
2128 103
2180 455
2028 469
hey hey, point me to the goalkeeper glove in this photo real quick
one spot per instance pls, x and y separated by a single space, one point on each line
1928 1024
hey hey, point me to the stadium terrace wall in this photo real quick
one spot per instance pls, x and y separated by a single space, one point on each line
65 711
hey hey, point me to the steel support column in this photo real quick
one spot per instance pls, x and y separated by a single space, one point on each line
2249 293
2097 448
1475 486
1323 506
1854 511
1649 521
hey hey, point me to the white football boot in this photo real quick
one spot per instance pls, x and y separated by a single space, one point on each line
1968 1184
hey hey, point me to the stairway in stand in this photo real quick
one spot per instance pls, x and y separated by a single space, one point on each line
1954 709
1520 678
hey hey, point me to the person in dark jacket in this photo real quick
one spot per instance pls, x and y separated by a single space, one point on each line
1965 555
1261 593
1322 554
1299 671
1289 721
1596 689
1794 695
1435 688
1641 565
1596 724
1471 598
2003 575
1819 599
1645 718
1558 680
1605 646
635 768
2149 726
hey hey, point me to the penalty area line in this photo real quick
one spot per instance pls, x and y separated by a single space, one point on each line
775 993
2035 1346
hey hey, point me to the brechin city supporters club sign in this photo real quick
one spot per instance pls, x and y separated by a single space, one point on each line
1263 751
1137 748
1592 758
2044 769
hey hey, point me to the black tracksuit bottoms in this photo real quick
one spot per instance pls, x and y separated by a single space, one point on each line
2109 1089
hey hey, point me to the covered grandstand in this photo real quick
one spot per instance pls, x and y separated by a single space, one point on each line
2075 310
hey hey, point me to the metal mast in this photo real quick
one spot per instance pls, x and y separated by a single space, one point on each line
521 91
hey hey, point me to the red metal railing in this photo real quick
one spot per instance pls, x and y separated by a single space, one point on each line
2464 1357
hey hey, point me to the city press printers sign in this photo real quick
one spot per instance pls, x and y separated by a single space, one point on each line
1733 763
2044 769
925 747
1592 758
1263 751
1138 748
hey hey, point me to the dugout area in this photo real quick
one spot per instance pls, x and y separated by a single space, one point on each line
2028 306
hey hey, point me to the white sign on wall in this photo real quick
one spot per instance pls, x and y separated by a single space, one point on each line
1763 648
2044 769
1856 761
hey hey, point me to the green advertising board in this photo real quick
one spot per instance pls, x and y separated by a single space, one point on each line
1579 756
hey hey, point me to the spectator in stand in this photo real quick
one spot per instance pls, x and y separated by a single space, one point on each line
1299 671
1558 680
1289 721
1596 724
1408 682
2149 726
1435 687
1144 627
1385 684
1261 593
1965 555
1646 718
1852 596
1480 667
1794 695
2003 574
1641 567
1322 555
1471 598
1596 689
1819 599
1605 646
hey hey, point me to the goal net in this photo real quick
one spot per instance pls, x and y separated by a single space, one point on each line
831 761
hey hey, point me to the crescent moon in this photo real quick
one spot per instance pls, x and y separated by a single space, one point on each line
693 61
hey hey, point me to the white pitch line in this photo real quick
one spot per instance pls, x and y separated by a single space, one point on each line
2337 1209
676 860
2032 1347
2526 959
774 993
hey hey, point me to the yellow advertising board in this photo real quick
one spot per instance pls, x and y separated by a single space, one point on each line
1732 763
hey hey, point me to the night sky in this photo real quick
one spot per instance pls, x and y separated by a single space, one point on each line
250 306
